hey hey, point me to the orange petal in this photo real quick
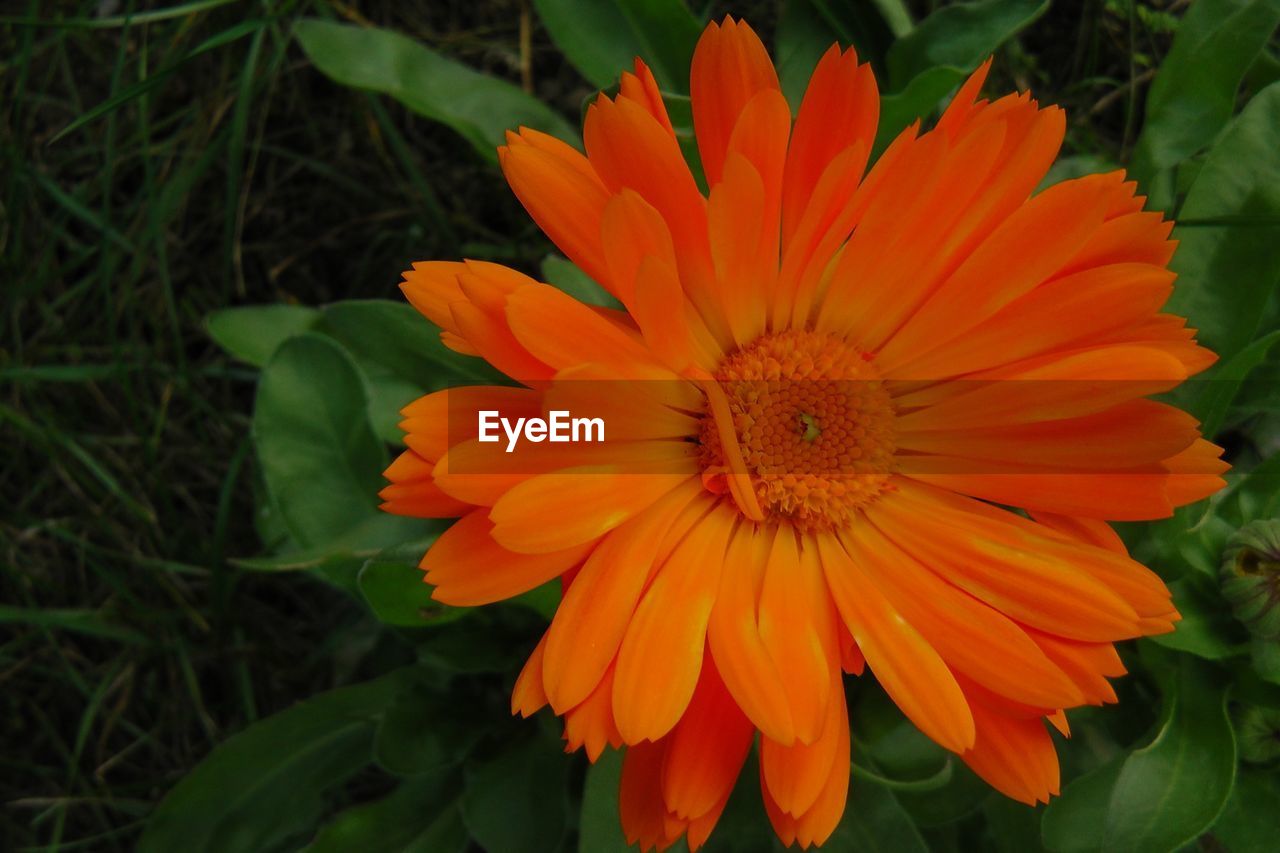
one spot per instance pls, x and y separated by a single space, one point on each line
733 635
1067 311
593 615
661 654
1015 756
730 65
1065 385
797 628
909 669
996 561
736 219
815 825
642 88
840 110
528 697
706 749
549 512
469 568
1024 250
563 332
631 150
561 191
590 723
971 637
795 774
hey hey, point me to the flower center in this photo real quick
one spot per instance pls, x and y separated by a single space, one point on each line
813 425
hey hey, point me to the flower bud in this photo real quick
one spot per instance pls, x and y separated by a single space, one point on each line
1250 577
1258 734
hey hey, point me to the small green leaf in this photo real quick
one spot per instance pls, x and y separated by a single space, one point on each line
408 820
398 596
1249 820
1194 93
1206 628
515 802
1227 273
941 51
959 36
1219 387
1172 790
479 107
426 731
321 462
253 333
809 27
265 786
601 38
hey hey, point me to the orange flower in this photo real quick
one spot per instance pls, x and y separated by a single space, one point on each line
836 381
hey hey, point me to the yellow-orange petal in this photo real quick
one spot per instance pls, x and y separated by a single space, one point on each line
733 636
594 613
797 627
972 637
796 773
909 669
1001 564
815 825
1015 756
590 723
662 651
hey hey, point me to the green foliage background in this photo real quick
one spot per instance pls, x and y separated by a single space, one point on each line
210 639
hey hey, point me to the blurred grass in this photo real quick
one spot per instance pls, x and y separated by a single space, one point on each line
162 161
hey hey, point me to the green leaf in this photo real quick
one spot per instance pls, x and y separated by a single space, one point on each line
1249 820
1206 629
265 785
426 731
401 357
398 596
601 38
875 821
809 27
1074 822
1171 791
479 107
565 275
321 462
404 821
1227 273
253 333
370 538
1165 794
941 51
599 828
515 802
1194 93
1218 388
